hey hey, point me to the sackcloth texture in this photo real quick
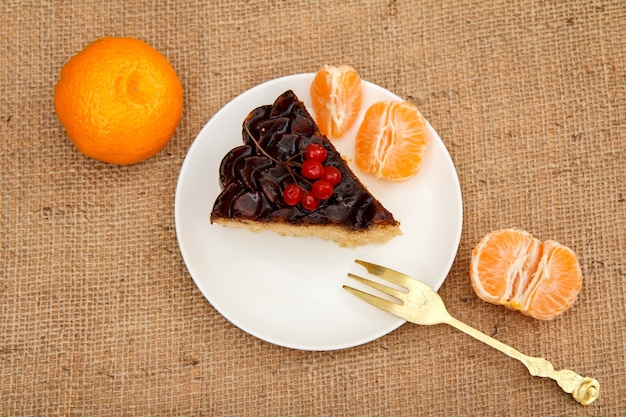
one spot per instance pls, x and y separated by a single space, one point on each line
99 315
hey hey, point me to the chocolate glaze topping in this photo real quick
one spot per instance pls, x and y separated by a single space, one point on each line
252 183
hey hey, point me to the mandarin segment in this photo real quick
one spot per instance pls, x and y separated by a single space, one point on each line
391 141
337 98
510 267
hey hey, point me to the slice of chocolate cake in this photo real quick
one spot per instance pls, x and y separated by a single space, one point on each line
269 182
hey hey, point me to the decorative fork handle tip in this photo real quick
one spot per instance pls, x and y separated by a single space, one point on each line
587 391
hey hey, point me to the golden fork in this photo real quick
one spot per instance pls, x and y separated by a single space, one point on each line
419 304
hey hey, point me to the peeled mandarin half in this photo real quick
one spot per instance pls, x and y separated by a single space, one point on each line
337 97
510 267
391 141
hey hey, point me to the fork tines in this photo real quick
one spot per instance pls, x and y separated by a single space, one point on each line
389 275
395 293
381 303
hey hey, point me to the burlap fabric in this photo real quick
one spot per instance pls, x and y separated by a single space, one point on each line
99 316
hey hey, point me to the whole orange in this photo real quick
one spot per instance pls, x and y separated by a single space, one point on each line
119 100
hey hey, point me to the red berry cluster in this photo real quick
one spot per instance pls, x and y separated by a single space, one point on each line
325 179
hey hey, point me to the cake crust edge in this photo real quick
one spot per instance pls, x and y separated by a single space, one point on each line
375 234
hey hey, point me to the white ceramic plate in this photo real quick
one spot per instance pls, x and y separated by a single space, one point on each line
288 291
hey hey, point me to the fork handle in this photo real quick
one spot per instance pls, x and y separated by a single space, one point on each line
585 390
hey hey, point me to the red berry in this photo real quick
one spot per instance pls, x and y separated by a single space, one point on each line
292 194
322 189
332 175
309 201
316 152
312 169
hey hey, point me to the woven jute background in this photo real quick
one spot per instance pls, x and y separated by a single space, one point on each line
99 316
